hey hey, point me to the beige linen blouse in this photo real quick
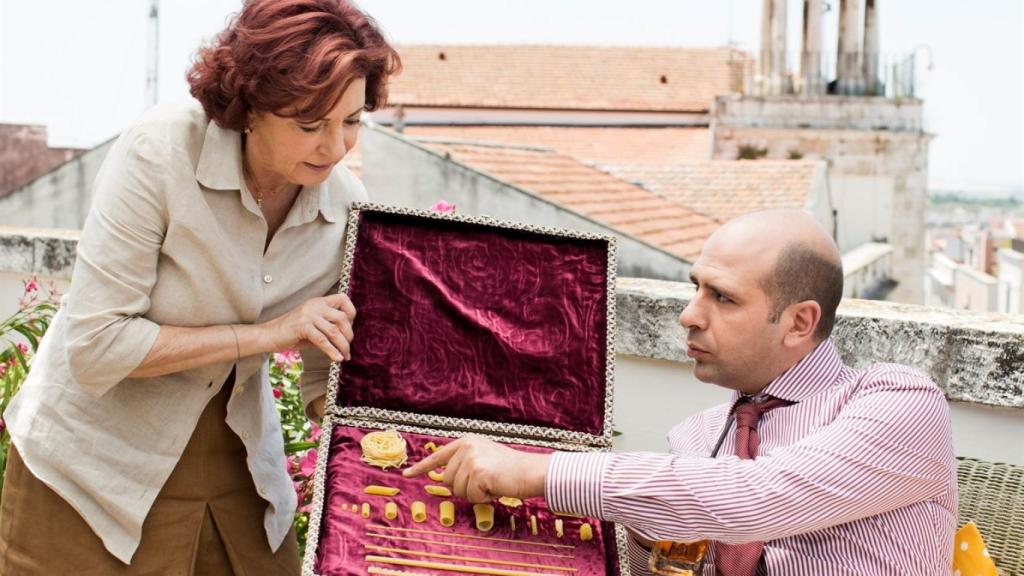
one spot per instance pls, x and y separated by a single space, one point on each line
172 238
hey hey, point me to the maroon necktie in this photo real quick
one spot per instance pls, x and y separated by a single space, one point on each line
742 559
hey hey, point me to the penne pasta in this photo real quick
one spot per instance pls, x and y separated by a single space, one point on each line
366 509
391 510
375 490
419 511
438 491
586 532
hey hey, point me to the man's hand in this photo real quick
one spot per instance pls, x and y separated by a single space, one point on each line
480 470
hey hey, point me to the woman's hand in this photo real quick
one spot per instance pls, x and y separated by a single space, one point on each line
324 323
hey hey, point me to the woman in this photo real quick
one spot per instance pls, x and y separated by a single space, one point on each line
146 439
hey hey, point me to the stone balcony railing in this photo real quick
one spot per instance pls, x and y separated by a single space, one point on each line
977 359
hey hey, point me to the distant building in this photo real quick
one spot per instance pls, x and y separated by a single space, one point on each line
26 155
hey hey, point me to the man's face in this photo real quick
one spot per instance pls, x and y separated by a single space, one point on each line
730 337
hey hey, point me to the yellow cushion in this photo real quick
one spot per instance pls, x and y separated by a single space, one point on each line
970 557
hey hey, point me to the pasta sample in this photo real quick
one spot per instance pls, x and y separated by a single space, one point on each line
586 532
419 511
391 510
430 447
533 525
375 490
559 528
384 449
510 501
366 509
484 514
438 491
436 476
447 513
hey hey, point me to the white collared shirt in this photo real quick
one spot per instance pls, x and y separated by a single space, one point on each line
171 238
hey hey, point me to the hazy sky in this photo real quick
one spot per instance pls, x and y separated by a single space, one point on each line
78 66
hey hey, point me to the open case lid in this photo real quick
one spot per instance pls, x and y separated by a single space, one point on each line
471 323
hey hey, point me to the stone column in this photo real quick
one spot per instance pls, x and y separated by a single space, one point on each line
764 67
773 47
872 83
848 67
810 57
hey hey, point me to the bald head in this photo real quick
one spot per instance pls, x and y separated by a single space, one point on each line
800 261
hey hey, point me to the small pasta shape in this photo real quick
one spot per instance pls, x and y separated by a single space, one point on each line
391 510
436 476
559 528
510 501
355 507
366 509
512 523
375 490
442 491
586 532
419 511
533 524
447 513
430 447
484 514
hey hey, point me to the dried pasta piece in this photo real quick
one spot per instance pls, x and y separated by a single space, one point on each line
447 513
484 514
568 515
391 510
430 447
384 449
512 523
436 476
366 509
533 524
375 490
419 511
510 501
559 528
355 507
438 491
586 532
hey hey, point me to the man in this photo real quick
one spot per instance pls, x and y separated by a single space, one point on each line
854 470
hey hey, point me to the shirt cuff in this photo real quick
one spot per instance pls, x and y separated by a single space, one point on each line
574 483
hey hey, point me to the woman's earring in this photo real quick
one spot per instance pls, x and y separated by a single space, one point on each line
248 129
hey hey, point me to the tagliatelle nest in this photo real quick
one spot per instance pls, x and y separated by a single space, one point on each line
385 449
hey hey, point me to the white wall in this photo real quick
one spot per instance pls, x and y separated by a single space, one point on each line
651 396
1010 291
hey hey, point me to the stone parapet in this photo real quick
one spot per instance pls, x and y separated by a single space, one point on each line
977 358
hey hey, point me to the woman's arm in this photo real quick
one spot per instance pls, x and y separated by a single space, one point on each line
324 323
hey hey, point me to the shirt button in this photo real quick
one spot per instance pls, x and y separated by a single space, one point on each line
262 491
245 435
268 278
238 389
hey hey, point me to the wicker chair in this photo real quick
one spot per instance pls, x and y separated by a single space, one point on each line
992 496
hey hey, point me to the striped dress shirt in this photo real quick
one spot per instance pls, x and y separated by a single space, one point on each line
858 476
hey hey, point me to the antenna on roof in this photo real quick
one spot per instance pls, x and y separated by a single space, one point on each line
152 52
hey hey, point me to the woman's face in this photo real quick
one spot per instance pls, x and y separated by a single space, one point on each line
303 151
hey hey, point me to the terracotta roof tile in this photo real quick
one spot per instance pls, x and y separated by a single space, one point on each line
565 77
724 189
591 192
600 145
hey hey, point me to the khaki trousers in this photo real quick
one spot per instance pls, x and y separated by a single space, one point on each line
207 519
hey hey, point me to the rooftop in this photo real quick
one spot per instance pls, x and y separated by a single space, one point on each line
565 77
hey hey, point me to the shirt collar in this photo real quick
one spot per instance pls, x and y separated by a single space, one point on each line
821 367
220 168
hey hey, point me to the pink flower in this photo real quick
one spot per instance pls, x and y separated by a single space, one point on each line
31 285
314 432
23 347
287 359
277 392
308 463
443 206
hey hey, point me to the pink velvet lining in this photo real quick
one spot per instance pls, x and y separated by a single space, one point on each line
478 322
343 533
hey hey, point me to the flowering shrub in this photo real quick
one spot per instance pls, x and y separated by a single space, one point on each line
301 436
19 340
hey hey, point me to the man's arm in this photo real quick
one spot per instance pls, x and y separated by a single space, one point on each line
890 447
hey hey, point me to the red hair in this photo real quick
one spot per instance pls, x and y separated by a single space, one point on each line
293 58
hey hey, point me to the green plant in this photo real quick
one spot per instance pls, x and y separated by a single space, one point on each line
751 152
20 334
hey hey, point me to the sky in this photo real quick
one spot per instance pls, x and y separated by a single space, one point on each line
78 66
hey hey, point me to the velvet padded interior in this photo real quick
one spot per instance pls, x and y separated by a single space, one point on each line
480 322
345 534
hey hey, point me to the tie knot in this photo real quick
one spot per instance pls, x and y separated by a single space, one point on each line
748 413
